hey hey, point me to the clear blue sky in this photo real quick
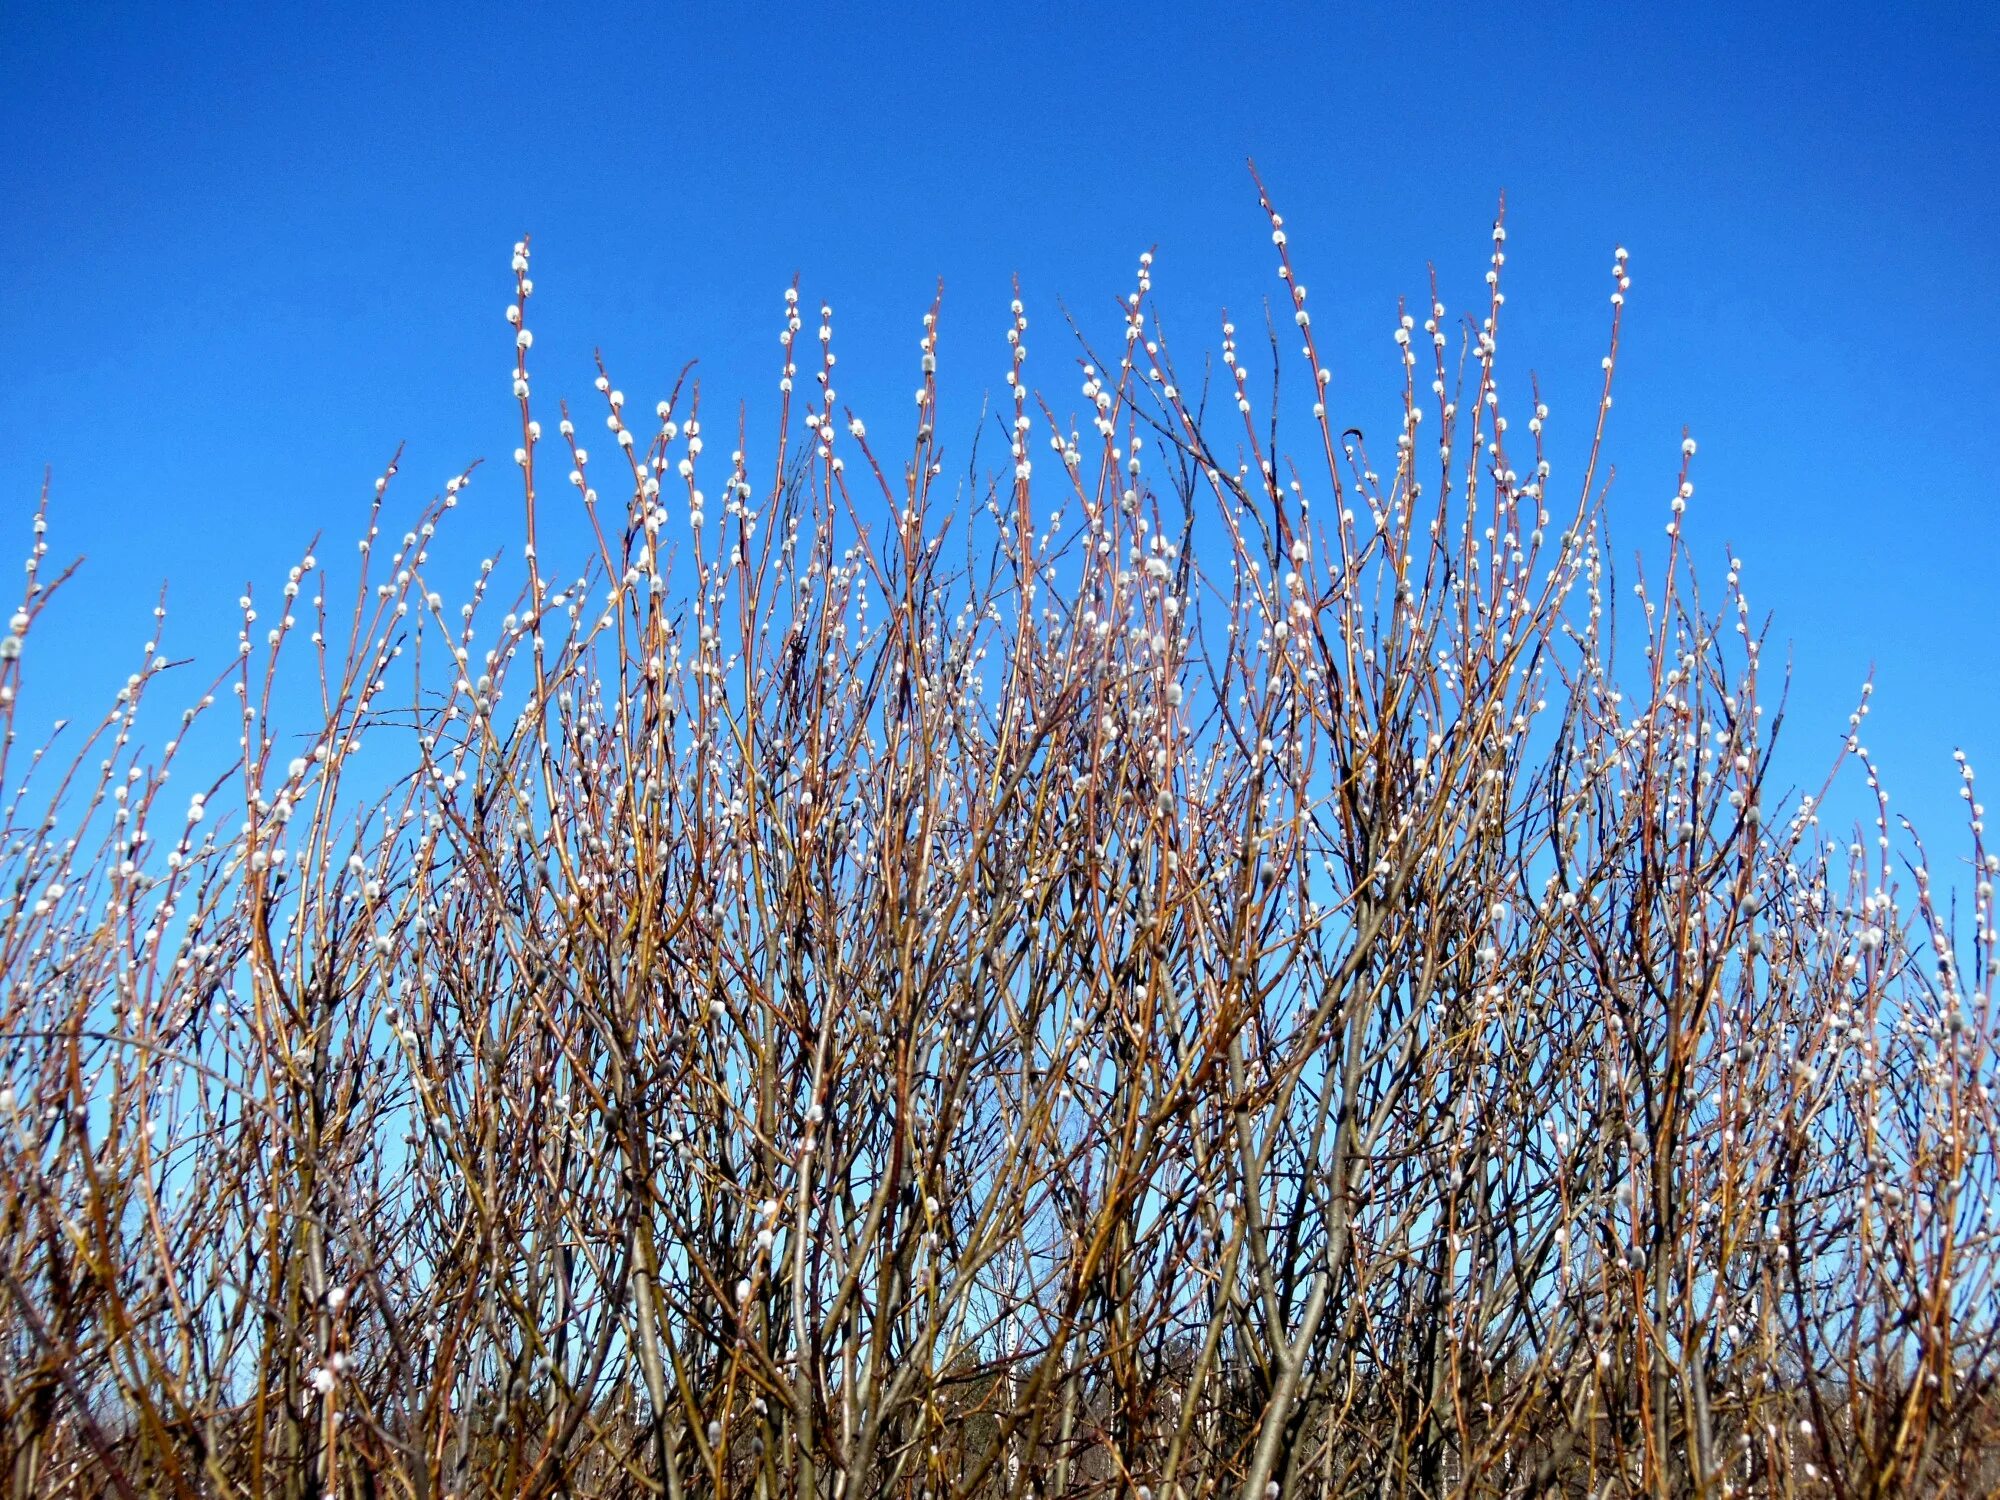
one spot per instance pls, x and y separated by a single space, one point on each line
247 251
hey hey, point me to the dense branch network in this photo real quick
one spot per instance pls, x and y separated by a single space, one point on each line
1158 976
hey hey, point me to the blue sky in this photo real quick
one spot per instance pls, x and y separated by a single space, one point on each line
248 251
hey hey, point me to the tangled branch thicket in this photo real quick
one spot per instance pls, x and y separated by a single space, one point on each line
1161 976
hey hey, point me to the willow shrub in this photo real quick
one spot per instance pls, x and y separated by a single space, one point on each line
1194 969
